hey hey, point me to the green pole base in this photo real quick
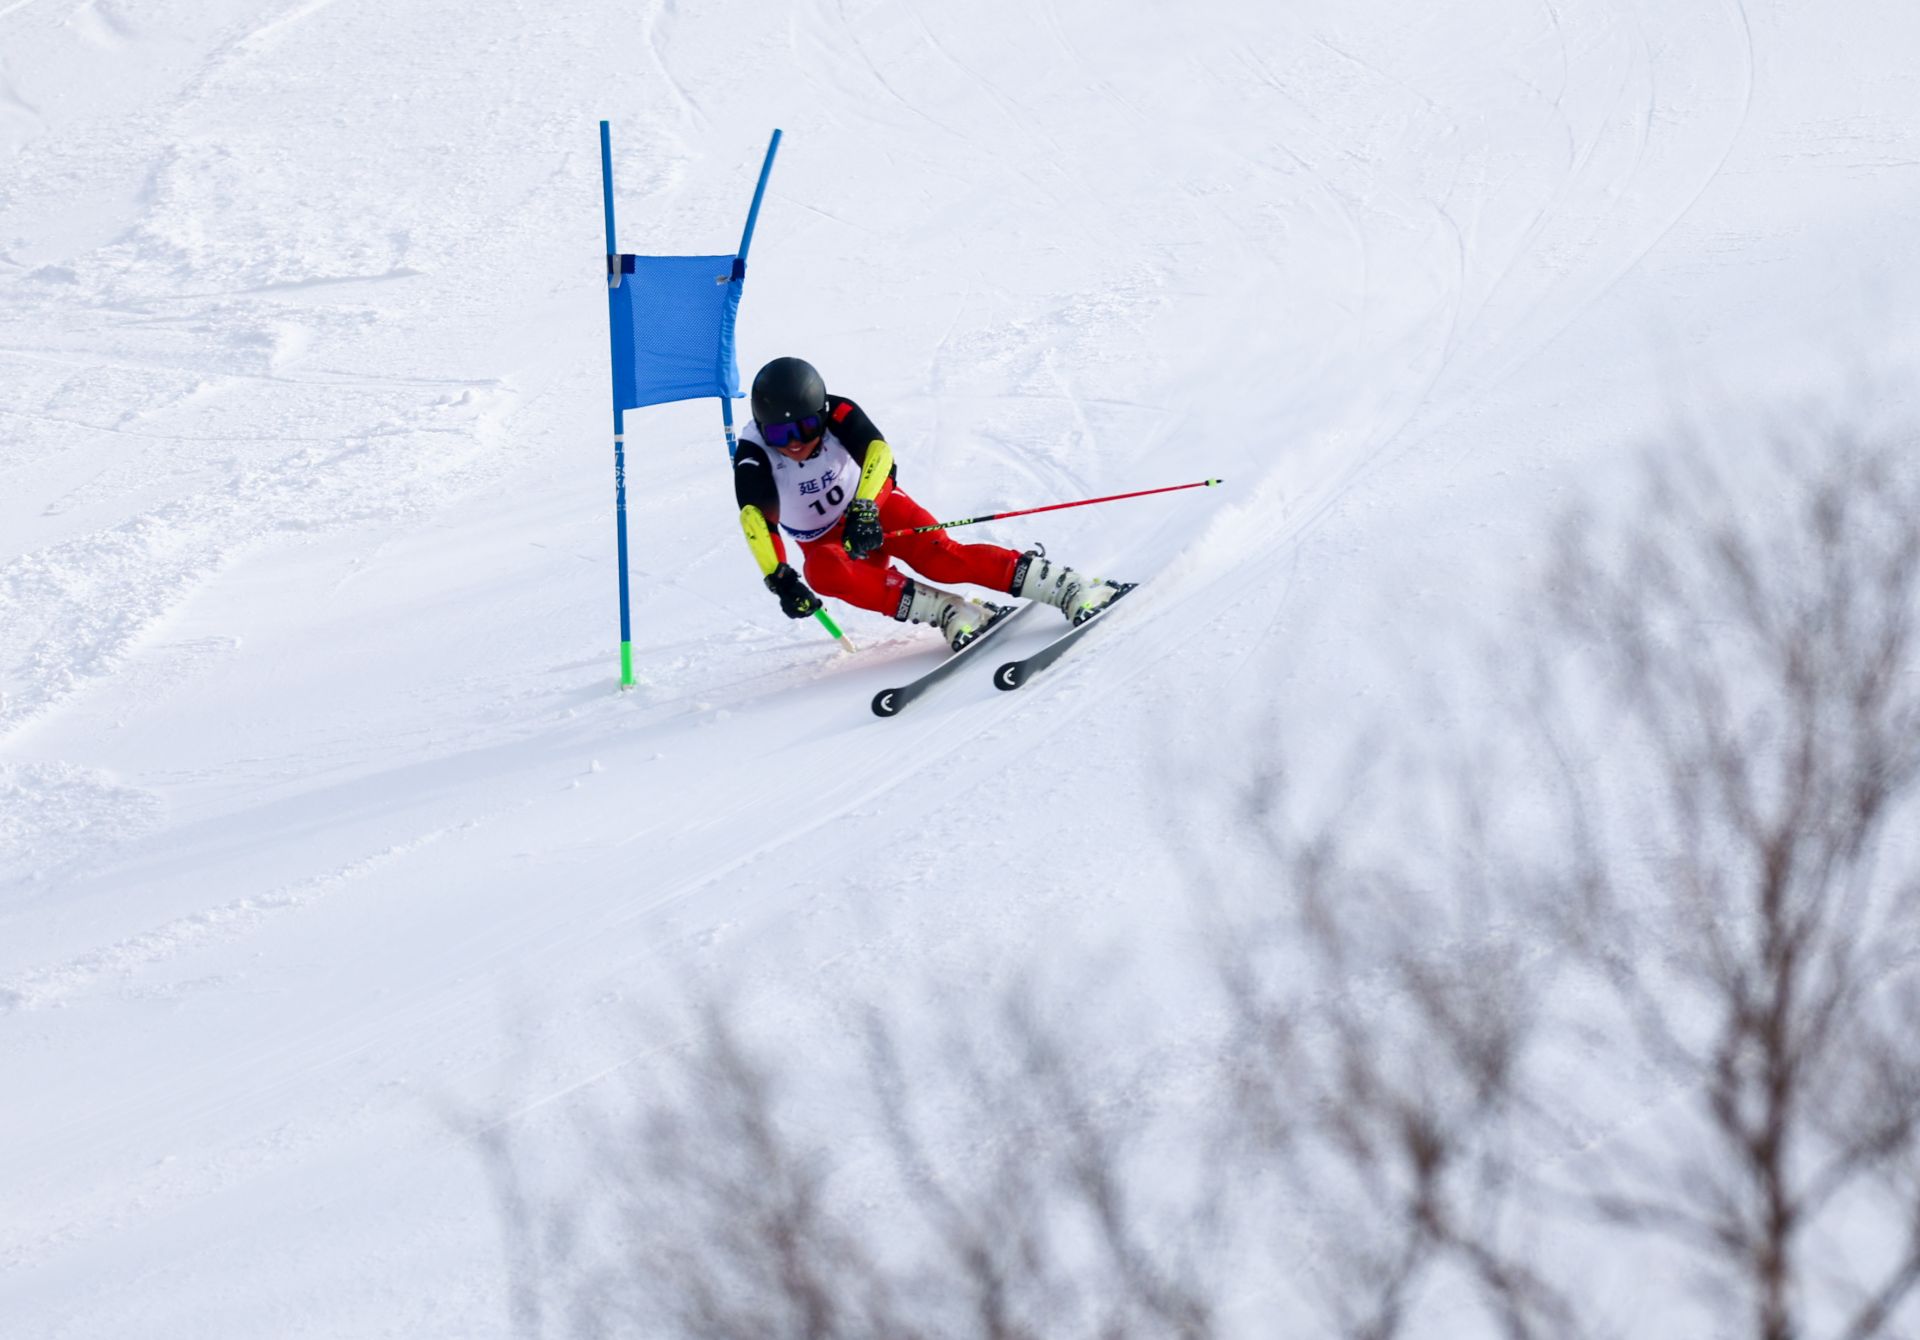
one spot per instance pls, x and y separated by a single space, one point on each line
626 665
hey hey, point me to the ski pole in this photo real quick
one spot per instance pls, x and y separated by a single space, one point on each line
1052 507
826 622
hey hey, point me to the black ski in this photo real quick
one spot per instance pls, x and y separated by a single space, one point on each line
1015 673
888 702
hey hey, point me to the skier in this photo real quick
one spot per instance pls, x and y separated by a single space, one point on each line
814 465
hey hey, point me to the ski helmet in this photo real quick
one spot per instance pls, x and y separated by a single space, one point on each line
787 390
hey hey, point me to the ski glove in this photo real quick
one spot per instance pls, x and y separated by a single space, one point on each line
796 602
862 534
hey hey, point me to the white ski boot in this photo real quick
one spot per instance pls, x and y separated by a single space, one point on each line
958 618
1075 595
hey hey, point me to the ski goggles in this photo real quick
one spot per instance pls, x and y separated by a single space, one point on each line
802 429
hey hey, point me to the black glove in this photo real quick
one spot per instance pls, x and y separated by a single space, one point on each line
796 602
862 535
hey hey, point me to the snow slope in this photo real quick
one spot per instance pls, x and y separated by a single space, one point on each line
319 811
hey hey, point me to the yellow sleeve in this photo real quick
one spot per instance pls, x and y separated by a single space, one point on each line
759 539
873 475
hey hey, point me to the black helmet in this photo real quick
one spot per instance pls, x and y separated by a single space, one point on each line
786 391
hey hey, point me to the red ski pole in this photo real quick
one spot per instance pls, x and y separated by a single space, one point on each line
1052 507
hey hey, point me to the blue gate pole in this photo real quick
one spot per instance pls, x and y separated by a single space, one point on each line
740 269
619 428
759 192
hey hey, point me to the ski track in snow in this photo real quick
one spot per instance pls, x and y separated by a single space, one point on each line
1292 248
43 986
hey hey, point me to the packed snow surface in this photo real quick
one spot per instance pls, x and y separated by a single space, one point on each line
321 815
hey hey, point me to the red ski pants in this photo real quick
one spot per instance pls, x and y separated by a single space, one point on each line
873 583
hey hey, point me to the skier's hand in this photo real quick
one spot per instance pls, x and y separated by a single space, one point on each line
862 534
796 602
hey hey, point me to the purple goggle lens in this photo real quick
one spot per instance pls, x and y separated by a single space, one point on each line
786 434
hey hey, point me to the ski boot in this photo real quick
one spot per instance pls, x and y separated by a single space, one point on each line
959 619
1075 595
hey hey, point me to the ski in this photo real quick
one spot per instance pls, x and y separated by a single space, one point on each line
1015 673
888 702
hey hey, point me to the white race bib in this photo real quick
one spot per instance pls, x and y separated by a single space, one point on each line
814 493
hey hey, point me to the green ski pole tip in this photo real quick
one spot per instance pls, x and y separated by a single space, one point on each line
826 622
